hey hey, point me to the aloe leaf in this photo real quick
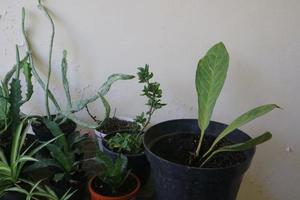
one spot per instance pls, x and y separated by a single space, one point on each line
15 98
56 131
242 120
60 157
42 164
102 90
241 146
210 77
64 70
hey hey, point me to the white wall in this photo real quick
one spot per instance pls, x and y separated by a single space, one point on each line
107 36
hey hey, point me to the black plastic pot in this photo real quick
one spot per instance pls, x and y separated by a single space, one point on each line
44 134
175 181
13 196
138 163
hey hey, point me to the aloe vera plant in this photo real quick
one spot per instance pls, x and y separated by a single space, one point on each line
113 173
72 107
66 154
210 77
12 167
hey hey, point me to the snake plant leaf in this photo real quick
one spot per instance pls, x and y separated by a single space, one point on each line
64 70
102 90
242 120
241 146
210 77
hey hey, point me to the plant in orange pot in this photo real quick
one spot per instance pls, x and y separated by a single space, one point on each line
114 182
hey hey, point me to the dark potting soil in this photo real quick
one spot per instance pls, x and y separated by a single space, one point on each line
113 125
67 126
103 189
180 148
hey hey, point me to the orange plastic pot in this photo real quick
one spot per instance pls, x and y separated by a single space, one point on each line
129 196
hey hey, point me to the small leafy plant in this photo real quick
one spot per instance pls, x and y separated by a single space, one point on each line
210 77
131 142
11 168
66 153
113 173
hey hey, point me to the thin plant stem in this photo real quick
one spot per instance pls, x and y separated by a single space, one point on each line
50 57
31 60
199 144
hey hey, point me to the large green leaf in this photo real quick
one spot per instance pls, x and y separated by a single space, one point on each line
210 77
240 121
241 146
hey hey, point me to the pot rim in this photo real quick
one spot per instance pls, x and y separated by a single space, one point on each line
148 151
136 189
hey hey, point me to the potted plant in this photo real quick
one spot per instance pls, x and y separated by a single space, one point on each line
65 162
114 182
64 117
203 159
12 165
11 98
128 139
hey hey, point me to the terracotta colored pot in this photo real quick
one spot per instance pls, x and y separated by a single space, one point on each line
130 196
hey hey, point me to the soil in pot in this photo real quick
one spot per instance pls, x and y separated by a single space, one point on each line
179 148
114 125
44 134
128 191
103 189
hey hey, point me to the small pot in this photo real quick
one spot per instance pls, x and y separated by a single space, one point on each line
176 181
44 134
137 163
132 195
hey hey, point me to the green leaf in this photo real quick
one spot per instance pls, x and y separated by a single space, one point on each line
28 76
15 98
56 131
242 120
106 106
42 164
64 70
241 146
210 77
60 157
102 90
